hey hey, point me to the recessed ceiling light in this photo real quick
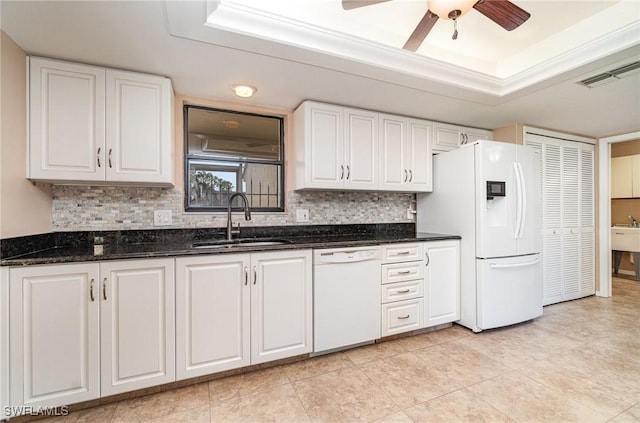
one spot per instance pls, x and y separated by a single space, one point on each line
244 91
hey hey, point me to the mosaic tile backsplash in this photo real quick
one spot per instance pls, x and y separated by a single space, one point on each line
82 208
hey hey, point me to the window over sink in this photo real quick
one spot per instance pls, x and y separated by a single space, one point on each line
228 152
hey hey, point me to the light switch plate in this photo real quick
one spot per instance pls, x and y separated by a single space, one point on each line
302 215
162 218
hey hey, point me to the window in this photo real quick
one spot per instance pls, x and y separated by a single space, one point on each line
228 152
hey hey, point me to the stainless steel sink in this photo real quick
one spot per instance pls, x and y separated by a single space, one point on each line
236 243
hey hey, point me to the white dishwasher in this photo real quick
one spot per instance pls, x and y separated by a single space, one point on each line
346 297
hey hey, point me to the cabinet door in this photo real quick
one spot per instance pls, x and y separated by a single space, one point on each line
474 134
66 121
324 146
361 149
281 305
635 176
442 282
212 314
55 324
622 177
137 324
446 137
139 132
393 169
419 156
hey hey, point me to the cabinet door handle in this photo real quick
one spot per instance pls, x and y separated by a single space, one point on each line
426 255
405 175
406 272
110 150
404 317
410 175
255 275
98 156
91 290
404 291
341 172
348 171
246 276
104 289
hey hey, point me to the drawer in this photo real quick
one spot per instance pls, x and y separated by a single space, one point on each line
399 272
402 316
394 253
402 291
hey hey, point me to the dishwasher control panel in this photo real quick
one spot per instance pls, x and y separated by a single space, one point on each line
345 255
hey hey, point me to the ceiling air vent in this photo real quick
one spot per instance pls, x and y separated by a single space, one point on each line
611 75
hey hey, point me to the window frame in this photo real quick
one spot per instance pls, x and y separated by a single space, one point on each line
188 158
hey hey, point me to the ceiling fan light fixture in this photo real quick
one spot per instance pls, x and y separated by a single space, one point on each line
450 9
244 91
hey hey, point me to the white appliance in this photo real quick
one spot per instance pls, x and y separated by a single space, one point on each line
489 193
346 297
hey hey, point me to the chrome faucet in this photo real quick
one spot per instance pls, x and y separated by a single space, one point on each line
247 214
634 222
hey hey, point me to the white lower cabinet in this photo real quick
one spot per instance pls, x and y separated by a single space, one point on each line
64 317
137 324
241 309
442 282
402 288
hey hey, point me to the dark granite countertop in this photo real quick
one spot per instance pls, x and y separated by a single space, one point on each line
66 247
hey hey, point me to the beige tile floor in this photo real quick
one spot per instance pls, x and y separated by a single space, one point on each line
579 362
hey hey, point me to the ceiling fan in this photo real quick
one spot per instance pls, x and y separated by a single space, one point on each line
503 12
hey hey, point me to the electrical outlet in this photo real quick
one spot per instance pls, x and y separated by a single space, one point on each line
162 218
302 215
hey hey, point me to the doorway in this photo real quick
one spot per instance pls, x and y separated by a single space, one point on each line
604 209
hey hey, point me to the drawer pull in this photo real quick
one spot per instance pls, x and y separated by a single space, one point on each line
404 317
406 272
404 291
403 253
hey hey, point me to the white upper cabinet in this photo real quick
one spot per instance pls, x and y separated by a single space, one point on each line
625 177
66 121
138 120
405 154
448 137
89 124
336 147
345 148
361 149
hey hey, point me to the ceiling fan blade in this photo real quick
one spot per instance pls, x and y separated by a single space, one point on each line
503 12
420 33
354 4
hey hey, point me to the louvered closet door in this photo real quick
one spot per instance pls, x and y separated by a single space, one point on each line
570 199
552 225
587 222
567 217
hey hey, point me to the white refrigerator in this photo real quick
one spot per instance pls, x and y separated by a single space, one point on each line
489 193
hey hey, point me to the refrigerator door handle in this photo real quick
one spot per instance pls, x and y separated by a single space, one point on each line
512 265
518 200
523 192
